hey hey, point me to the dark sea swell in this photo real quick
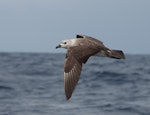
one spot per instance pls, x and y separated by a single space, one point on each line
32 84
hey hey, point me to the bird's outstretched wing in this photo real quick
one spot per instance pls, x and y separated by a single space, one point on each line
73 65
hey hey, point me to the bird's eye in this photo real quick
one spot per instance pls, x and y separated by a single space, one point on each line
65 42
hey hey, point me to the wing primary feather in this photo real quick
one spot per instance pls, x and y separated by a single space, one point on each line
73 76
67 91
71 82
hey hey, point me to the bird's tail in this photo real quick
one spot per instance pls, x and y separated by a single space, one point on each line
118 54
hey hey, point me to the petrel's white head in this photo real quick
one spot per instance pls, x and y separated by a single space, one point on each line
66 43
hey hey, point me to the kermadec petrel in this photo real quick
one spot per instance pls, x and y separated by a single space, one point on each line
78 52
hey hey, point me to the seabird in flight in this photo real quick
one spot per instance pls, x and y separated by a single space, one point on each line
78 52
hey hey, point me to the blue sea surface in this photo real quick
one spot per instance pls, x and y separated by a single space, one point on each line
32 84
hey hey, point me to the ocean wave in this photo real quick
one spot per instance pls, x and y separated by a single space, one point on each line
8 88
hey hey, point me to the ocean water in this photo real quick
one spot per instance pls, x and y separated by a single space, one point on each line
32 84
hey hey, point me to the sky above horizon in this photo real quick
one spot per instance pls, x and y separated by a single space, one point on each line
40 25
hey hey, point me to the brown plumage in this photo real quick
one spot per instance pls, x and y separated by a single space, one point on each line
79 50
